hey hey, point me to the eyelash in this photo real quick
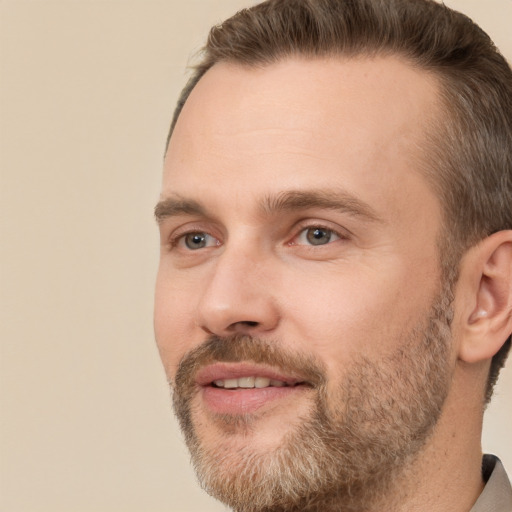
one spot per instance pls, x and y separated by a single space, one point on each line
177 237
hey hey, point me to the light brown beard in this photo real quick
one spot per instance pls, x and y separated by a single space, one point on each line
346 454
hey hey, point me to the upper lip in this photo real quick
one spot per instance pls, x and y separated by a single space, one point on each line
222 371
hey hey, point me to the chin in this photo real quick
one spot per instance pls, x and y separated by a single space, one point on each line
258 433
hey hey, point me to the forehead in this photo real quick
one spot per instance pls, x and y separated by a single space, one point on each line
350 122
307 86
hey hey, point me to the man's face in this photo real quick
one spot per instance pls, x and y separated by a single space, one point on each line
299 283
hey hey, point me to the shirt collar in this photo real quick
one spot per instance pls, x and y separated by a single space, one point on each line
497 493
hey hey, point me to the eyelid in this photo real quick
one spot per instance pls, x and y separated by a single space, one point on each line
178 234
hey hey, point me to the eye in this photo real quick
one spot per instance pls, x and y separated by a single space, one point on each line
316 235
196 240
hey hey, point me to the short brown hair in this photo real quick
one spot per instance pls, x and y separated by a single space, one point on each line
468 155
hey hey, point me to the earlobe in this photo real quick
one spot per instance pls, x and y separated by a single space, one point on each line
486 273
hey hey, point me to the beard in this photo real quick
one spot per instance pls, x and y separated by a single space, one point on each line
346 453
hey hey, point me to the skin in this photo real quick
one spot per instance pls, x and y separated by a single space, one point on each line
297 127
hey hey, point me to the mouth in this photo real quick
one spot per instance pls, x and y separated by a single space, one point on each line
243 388
251 383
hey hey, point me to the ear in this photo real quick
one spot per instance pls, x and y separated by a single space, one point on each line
486 281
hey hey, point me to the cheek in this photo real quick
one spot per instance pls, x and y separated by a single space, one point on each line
173 320
361 311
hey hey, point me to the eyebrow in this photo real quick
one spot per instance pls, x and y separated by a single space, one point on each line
289 201
175 206
337 200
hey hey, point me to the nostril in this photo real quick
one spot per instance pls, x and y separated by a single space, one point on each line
249 323
243 326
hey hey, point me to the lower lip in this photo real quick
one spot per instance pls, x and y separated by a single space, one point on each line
245 401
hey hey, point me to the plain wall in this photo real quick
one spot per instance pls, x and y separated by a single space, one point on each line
87 90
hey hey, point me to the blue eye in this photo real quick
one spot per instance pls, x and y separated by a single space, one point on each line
194 241
316 235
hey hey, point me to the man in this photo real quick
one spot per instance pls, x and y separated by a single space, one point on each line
334 297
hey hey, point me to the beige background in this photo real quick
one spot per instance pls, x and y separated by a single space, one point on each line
87 90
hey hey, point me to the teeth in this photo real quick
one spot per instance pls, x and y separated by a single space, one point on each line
231 383
246 382
261 382
249 382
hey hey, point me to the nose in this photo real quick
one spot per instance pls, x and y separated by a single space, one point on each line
237 298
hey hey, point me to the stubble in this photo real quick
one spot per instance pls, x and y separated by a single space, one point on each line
355 442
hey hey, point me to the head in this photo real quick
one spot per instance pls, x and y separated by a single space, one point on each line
468 159
331 165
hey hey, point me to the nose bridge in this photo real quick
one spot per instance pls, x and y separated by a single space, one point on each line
237 296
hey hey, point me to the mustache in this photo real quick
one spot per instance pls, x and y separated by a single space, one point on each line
244 348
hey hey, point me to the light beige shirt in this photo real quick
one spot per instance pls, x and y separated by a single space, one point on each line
497 493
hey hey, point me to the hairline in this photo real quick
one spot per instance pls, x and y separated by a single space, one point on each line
200 70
